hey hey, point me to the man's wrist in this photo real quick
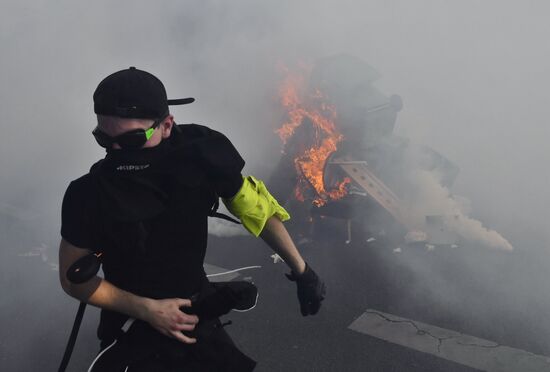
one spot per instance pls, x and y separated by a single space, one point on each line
298 271
301 268
143 307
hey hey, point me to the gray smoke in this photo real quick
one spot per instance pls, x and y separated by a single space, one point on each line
475 90
473 76
433 199
222 228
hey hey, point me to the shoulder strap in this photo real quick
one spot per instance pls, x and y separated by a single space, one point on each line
214 213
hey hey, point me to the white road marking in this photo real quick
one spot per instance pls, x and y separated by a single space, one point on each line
454 346
212 269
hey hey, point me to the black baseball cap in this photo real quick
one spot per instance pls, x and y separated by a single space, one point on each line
133 93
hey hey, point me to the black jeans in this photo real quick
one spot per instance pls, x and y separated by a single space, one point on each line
143 349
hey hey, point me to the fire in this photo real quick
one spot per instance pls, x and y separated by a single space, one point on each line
290 92
313 107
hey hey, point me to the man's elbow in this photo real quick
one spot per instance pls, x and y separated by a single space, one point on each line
68 255
83 291
66 285
80 291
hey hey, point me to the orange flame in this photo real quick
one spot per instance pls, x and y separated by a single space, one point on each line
313 108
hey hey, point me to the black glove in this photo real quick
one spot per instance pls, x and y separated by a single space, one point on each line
311 290
220 298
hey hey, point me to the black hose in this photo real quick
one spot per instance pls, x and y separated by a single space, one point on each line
72 338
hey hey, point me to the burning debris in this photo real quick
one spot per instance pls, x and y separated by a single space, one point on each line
310 159
341 159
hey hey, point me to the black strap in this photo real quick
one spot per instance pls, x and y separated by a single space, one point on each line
214 213
72 338
225 217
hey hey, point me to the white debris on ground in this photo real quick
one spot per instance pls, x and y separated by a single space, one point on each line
276 258
397 250
430 247
303 240
416 236
370 240
42 252
29 254
454 246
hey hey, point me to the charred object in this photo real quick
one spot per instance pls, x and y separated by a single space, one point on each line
369 164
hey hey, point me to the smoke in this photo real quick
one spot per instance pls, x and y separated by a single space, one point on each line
222 228
473 88
431 198
473 75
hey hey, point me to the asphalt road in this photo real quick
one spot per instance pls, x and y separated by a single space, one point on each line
489 295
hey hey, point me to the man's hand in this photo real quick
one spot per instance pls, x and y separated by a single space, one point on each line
167 318
311 290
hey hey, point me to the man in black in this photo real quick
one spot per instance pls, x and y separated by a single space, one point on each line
144 207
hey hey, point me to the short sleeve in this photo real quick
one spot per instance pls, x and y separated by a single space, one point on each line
225 165
218 156
77 215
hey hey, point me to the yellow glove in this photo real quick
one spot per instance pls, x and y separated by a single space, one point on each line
254 205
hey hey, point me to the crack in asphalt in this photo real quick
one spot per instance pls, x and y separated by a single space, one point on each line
477 345
422 332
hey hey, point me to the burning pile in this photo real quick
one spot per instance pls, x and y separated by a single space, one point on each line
303 107
372 161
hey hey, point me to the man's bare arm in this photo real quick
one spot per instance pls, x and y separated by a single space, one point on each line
164 315
311 290
276 236
262 215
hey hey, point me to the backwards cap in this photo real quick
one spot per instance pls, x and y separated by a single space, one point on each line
133 93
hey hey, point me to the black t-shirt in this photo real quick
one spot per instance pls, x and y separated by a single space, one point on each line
150 222
80 214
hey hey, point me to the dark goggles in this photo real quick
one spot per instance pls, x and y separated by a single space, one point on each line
133 139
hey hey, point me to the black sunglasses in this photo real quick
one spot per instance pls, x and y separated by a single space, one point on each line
133 139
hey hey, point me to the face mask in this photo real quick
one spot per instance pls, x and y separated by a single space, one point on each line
138 184
127 161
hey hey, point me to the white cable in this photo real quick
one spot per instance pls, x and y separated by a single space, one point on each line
124 328
100 354
234 271
130 321
250 308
